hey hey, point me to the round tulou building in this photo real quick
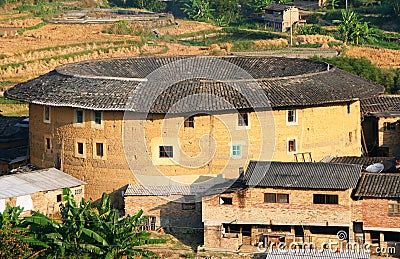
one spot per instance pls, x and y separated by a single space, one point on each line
107 122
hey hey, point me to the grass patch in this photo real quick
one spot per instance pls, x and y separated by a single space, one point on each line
4 100
390 78
241 39
37 26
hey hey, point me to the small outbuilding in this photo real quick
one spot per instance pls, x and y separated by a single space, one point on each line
39 190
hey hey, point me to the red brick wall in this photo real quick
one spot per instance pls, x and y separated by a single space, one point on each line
249 207
376 214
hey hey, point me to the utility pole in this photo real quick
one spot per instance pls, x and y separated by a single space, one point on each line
291 30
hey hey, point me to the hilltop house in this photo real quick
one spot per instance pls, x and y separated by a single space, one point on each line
87 120
279 17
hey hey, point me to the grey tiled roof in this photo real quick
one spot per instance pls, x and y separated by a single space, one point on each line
20 184
112 84
382 105
356 160
277 7
302 175
379 185
164 190
389 163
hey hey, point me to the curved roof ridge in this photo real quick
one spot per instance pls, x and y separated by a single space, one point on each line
285 82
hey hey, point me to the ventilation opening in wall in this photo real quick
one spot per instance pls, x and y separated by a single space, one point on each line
59 197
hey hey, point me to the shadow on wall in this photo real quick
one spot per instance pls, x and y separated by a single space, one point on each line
117 200
183 221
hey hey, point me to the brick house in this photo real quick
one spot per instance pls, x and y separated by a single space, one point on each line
37 189
282 201
77 118
380 125
378 199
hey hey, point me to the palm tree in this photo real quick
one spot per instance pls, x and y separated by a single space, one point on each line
347 24
352 29
85 231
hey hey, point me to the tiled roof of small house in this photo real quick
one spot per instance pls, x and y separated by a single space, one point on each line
24 183
379 185
389 163
164 190
356 160
120 84
382 105
303 175
277 7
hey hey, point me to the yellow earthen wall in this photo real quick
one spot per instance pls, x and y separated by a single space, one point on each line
322 131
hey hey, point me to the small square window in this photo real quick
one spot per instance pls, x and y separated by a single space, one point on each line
48 144
325 199
225 200
292 145
80 148
243 119
291 116
236 150
78 191
283 198
188 206
270 197
59 198
47 114
99 149
189 122
389 126
166 151
79 116
97 117
394 208
276 198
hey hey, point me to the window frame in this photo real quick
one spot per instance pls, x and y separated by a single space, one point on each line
59 198
324 198
276 198
97 149
188 122
243 119
294 147
82 117
291 117
47 143
163 153
395 210
389 126
236 151
46 114
101 117
188 205
226 200
80 145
